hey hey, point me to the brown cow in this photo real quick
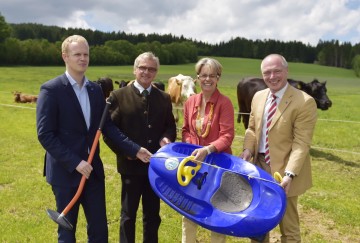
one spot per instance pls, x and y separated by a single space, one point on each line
247 88
180 88
24 98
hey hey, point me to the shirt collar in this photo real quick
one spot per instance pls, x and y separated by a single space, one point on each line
280 93
141 88
73 82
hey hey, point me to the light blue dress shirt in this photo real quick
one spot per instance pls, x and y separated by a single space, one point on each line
83 97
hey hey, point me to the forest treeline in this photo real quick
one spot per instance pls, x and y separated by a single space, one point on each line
37 44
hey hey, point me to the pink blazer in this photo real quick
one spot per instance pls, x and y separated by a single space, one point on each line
221 132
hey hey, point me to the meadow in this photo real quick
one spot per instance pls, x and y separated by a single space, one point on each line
330 210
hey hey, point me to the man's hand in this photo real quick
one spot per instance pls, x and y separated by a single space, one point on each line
246 155
164 141
144 155
84 168
286 183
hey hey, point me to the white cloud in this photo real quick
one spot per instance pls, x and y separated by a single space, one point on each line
206 20
77 19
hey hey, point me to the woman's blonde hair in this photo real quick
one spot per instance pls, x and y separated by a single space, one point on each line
213 63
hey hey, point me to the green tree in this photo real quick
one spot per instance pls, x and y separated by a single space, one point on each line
5 29
124 48
13 52
356 65
104 55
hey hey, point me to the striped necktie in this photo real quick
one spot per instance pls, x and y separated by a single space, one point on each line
270 115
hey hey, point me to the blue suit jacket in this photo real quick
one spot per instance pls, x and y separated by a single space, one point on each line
63 133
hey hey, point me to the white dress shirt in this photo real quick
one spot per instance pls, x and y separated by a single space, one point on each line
279 96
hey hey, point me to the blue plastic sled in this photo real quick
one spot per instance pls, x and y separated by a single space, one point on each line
224 194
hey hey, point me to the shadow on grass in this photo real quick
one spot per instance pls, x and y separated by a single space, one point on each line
329 156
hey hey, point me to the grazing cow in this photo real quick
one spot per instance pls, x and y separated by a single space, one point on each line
123 83
180 88
106 85
247 88
159 85
24 98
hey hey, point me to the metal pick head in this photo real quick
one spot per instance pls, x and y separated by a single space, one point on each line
59 219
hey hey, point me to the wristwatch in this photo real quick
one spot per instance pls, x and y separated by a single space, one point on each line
289 174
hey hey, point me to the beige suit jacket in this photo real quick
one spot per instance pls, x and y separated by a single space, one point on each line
290 135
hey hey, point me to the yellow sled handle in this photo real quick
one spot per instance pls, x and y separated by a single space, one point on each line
278 177
186 173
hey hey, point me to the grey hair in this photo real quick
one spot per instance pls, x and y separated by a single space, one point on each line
146 55
282 59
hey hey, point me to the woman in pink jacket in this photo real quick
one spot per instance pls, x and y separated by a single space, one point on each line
208 121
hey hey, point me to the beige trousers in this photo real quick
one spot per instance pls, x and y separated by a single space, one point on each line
290 223
189 233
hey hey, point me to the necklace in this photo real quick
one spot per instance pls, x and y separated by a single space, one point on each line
208 125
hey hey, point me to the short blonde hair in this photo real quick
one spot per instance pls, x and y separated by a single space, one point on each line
146 55
70 39
213 63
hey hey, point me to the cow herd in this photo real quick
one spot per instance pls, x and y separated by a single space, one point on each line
107 85
181 87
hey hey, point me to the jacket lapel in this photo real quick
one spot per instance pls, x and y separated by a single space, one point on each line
284 103
92 99
261 109
72 97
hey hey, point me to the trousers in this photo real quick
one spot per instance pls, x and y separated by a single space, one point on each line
290 223
189 233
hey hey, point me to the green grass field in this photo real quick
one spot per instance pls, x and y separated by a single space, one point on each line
330 211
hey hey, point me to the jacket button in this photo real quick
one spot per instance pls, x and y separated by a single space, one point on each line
149 126
149 141
145 112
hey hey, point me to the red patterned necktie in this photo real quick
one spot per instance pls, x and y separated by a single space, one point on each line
270 115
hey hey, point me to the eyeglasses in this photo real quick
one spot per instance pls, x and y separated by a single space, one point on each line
149 69
211 76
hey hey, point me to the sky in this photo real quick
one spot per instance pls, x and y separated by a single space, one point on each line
211 21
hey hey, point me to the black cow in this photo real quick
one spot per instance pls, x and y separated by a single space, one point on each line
159 85
106 85
122 83
247 88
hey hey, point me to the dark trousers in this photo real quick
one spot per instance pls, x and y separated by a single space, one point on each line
135 187
92 200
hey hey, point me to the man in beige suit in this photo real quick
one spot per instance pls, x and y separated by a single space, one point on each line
289 135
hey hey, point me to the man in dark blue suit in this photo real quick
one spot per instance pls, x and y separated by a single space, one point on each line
68 114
